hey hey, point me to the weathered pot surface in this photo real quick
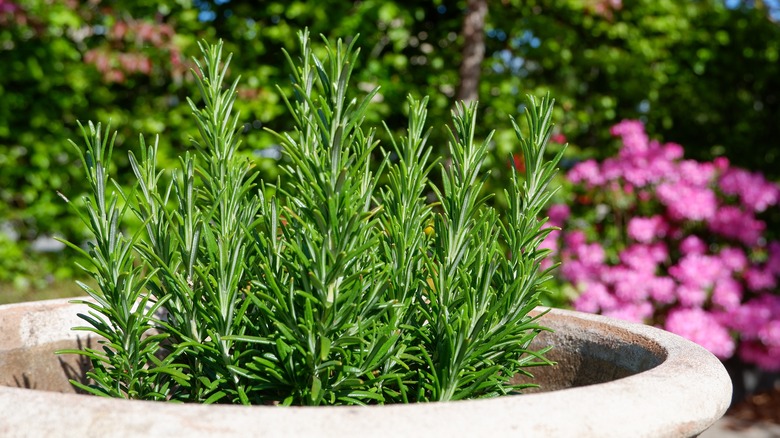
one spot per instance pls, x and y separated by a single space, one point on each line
612 379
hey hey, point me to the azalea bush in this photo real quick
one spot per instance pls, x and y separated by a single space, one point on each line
340 284
652 237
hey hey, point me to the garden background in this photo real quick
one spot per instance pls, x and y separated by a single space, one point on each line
700 77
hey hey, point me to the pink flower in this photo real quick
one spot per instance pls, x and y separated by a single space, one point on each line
733 258
633 312
695 173
612 169
587 172
558 138
593 298
773 261
558 214
702 328
727 294
721 163
692 245
551 241
640 169
658 252
686 201
754 191
672 151
644 195
591 254
694 258
632 132
644 258
765 357
630 285
759 279
546 263
575 271
752 316
8 7
662 290
691 296
574 239
698 271
769 335
646 229
733 223
582 262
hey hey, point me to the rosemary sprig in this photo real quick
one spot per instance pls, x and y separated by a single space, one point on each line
344 285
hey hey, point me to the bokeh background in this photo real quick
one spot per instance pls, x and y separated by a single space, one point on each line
703 74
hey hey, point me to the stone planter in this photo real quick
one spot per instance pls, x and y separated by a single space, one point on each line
612 379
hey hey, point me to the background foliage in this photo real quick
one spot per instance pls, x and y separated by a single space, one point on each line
701 73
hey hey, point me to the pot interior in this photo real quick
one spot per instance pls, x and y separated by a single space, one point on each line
589 352
586 352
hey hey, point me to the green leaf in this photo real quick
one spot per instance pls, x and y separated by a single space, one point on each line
324 347
213 398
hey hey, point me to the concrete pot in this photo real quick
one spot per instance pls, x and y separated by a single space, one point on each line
612 379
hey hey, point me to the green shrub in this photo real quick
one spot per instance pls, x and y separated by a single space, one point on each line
342 284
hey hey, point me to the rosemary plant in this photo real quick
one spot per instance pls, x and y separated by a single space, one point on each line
343 286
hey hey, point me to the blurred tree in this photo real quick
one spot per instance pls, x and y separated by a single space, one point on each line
126 62
704 73
64 61
700 73
473 50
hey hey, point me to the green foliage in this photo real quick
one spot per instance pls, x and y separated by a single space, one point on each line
341 284
120 313
47 83
699 73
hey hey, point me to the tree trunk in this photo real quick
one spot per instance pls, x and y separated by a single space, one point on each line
473 50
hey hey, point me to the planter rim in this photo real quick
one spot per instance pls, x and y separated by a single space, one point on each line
652 403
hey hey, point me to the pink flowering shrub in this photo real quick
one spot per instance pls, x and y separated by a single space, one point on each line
652 237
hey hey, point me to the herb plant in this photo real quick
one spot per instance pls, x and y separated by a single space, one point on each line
340 284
